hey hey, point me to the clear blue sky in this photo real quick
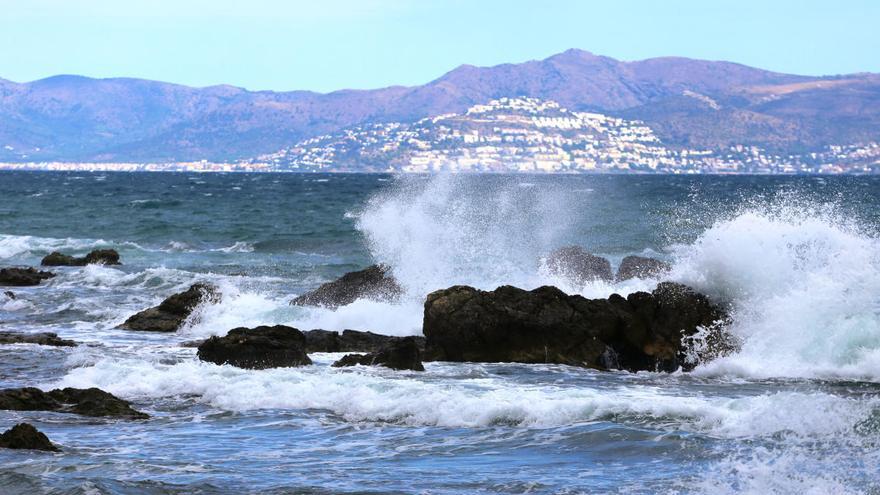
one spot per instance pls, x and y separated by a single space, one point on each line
325 45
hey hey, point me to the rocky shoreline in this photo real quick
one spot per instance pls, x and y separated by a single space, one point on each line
644 331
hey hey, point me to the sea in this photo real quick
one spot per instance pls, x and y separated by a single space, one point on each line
795 410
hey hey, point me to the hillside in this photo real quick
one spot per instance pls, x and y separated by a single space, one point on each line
687 103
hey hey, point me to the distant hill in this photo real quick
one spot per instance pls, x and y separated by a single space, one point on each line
692 103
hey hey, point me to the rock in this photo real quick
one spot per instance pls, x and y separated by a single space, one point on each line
42 338
577 265
23 277
399 354
87 402
640 267
374 282
98 256
257 348
9 295
350 341
641 332
25 436
172 312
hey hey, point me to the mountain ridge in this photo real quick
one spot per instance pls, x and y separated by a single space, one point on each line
688 103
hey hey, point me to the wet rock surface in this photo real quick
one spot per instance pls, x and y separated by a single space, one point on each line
640 332
640 267
578 265
262 347
169 315
374 282
98 256
25 436
23 277
350 341
42 338
87 402
399 354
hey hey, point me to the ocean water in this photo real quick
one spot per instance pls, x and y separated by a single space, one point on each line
796 410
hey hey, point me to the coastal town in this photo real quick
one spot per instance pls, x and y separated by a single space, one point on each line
509 135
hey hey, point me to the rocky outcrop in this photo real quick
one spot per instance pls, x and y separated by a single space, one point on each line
42 338
25 436
375 282
401 353
87 402
98 256
576 264
350 341
262 347
173 311
640 332
640 267
23 277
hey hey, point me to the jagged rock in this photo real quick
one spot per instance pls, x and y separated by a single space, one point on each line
262 347
25 436
173 311
87 402
350 341
98 256
640 267
374 282
9 295
400 354
641 332
578 265
42 338
23 277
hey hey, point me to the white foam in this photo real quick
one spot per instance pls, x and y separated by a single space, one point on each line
431 399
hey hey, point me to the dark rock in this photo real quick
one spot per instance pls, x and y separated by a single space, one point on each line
350 341
42 338
23 277
400 354
258 348
95 402
25 436
9 294
98 256
87 402
172 312
374 282
578 265
640 267
641 332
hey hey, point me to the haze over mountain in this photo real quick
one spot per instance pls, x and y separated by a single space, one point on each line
694 103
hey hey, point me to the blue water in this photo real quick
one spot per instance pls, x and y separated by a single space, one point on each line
797 410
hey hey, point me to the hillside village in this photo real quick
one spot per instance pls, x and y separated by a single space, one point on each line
532 135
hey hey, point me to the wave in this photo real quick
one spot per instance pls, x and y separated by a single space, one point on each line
433 399
13 246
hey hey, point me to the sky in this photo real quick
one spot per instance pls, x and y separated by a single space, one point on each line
325 45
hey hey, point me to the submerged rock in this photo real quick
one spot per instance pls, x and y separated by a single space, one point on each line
23 277
350 341
9 295
87 402
640 267
641 332
42 338
173 311
25 436
374 282
262 347
578 265
401 353
98 256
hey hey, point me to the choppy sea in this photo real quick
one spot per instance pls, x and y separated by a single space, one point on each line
796 410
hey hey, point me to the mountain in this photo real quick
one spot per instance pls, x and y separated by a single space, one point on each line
686 102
